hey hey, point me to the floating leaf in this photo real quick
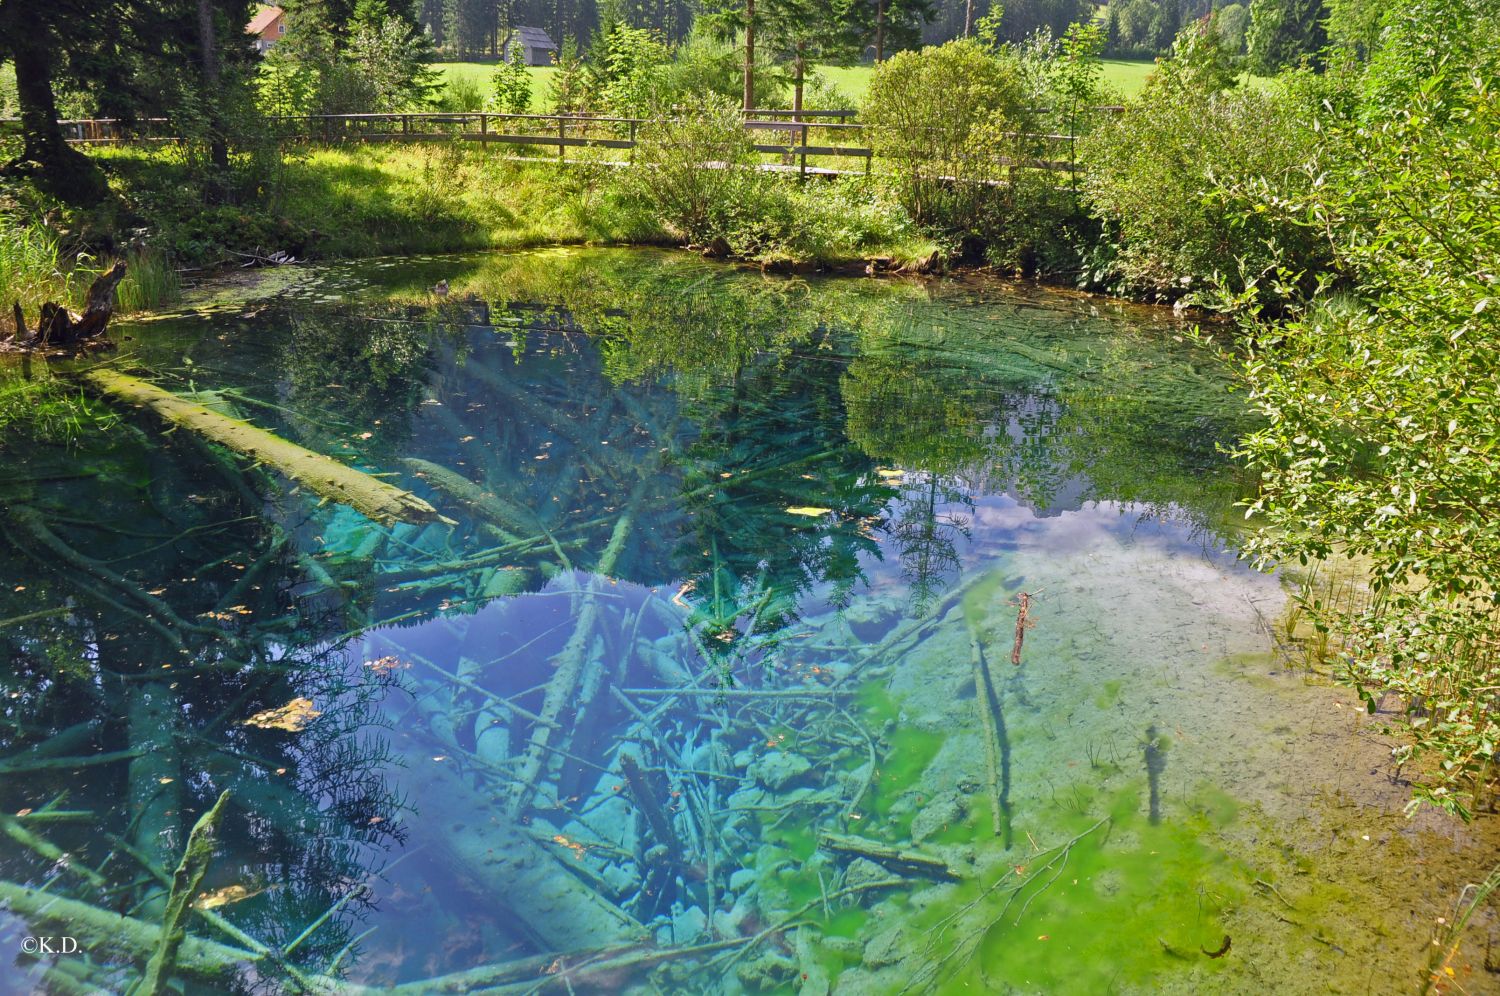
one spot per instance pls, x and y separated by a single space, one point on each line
292 717
808 510
387 664
225 896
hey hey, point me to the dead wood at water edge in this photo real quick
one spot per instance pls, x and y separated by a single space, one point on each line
59 329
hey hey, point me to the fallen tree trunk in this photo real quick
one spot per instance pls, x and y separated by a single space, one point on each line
512 522
572 661
323 475
556 908
107 934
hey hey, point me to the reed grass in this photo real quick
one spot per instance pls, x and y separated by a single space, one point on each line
36 266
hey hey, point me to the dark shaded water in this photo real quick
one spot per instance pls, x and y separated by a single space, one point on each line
723 619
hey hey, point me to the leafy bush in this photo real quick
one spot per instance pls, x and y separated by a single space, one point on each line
1383 421
632 74
944 120
461 96
1199 183
704 64
958 128
511 83
697 171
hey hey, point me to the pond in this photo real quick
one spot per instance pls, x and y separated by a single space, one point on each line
714 676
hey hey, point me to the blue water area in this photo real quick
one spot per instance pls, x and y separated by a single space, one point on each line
702 681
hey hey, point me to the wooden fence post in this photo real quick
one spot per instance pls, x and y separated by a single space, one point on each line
803 169
562 133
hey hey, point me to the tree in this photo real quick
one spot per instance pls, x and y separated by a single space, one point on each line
897 24
1284 32
512 85
825 31
176 58
391 57
945 119
1232 21
1356 25
33 38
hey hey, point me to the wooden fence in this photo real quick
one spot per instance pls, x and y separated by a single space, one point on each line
790 135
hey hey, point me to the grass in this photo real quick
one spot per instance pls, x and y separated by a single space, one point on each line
371 200
479 73
36 266
1126 75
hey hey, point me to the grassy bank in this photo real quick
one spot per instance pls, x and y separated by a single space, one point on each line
377 200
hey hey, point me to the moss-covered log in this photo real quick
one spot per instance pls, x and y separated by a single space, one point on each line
108 935
322 474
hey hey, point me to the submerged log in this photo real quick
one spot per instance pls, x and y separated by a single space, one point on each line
648 801
105 934
511 521
185 882
885 854
323 475
563 688
992 726
554 906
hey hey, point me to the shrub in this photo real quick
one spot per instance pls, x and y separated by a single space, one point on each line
704 65
462 95
632 72
1382 421
1200 184
945 120
697 171
511 83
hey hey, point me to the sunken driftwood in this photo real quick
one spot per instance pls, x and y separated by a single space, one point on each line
884 854
59 328
111 935
992 724
1023 622
185 882
323 475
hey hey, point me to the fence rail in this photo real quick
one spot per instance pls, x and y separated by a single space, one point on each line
806 133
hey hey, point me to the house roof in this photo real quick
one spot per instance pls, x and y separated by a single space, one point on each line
263 19
534 37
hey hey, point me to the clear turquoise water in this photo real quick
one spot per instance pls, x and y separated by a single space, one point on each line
721 551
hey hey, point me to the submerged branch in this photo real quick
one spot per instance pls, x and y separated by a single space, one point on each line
323 475
185 882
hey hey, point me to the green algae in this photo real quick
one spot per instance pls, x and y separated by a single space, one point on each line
1131 900
909 751
1109 694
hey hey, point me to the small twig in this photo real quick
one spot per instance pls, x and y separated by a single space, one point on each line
1023 600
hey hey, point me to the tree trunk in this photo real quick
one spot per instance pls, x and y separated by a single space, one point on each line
879 30
749 54
798 82
218 147
59 169
968 18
